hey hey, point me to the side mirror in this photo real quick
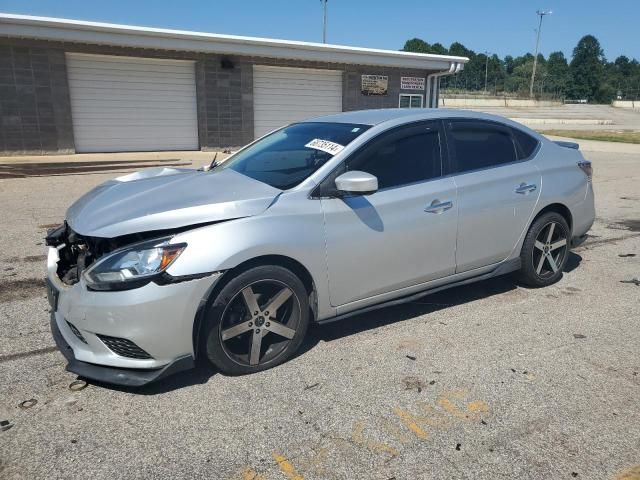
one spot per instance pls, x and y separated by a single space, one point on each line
358 183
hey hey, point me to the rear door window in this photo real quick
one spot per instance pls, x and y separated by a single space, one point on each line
476 144
525 144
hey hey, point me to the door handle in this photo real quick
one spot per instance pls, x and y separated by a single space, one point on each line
525 188
438 207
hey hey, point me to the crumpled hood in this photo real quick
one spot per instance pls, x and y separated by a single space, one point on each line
166 198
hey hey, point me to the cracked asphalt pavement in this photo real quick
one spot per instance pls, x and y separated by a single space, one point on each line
489 380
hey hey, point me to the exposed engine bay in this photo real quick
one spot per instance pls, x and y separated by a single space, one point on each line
79 252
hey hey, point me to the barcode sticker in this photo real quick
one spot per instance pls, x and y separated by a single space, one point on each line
325 146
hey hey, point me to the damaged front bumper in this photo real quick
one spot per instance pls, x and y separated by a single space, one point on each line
117 376
130 337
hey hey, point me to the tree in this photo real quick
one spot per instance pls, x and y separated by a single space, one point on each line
496 73
588 75
420 46
509 64
459 50
416 45
559 77
439 49
587 70
623 66
622 78
520 79
526 58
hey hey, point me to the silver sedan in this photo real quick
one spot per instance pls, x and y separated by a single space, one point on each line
314 222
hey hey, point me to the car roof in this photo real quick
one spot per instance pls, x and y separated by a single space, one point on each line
377 116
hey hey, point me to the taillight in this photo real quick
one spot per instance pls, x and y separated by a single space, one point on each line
586 167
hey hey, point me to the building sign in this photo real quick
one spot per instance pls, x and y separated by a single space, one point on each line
412 83
374 84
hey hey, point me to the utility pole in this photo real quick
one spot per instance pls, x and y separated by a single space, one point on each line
324 21
541 14
486 71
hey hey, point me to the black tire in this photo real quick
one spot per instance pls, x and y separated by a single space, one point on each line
537 271
267 285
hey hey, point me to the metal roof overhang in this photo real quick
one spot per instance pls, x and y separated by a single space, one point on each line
58 29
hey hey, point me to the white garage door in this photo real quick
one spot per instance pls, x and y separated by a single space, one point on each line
132 104
283 95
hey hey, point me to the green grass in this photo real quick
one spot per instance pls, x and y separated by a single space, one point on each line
624 136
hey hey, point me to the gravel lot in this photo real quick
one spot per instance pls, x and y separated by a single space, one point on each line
484 381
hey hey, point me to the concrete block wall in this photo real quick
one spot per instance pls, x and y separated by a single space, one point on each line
227 115
35 110
352 84
35 113
225 102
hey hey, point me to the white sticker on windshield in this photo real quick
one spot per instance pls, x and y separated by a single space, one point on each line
325 145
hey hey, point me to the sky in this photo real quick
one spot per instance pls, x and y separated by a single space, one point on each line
504 27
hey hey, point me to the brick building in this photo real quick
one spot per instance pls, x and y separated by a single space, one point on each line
72 86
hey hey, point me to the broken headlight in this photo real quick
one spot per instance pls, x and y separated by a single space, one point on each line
132 266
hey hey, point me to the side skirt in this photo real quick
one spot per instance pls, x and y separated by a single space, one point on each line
502 269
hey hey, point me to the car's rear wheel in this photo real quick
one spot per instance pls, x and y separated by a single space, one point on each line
257 321
545 250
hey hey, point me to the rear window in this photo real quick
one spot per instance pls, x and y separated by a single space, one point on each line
525 144
478 144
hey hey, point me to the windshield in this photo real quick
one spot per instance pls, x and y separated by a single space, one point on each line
286 157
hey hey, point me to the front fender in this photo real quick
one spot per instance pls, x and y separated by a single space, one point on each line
292 227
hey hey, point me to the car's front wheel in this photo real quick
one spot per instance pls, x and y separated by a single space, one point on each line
257 321
545 250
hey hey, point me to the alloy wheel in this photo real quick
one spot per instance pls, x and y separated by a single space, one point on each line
550 250
259 322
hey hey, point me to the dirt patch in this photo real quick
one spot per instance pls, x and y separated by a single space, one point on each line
34 258
27 259
408 344
602 241
413 383
573 289
30 353
632 473
47 226
630 225
20 289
